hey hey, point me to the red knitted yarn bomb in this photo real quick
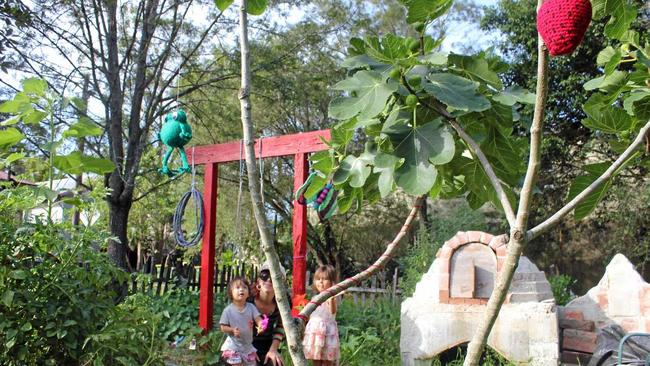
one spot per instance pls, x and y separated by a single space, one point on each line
563 23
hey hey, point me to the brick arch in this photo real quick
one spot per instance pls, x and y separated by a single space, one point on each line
498 244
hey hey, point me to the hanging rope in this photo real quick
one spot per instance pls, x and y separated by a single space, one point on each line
241 189
199 214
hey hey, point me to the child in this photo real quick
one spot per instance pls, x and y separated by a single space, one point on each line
237 322
321 342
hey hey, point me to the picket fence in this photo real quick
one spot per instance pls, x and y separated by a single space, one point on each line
159 278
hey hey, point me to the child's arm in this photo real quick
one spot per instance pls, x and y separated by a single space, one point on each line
230 330
332 301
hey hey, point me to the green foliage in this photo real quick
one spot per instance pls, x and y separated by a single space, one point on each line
561 287
56 289
36 104
421 254
401 100
369 335
253 7
130 336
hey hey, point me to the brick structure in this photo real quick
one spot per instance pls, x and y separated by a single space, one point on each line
449 302
621 297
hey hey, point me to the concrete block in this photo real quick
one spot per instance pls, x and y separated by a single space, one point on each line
519 297
486 238
578 340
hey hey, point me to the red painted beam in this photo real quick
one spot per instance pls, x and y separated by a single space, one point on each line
301 169
274 146
206 297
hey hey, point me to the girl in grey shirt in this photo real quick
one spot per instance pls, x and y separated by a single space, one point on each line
237 322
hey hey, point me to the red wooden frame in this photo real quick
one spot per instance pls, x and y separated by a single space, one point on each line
299 145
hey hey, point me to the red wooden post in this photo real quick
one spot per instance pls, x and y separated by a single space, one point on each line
301 170
206 301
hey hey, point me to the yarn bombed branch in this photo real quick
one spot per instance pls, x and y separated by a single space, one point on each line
324 201
175 133
356 279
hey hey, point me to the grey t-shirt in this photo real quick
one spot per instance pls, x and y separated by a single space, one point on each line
245 321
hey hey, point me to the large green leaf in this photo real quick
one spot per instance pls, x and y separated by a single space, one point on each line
426 10
588 205
33 116
222 5
20 104
356 169
360 62
34 86
256 7
10 136
420 147
498 146
76 163
385 165
456 92
515 94
638 104
83 127
371 93
604 117
477 69
416 178
435 58
622 16
388 49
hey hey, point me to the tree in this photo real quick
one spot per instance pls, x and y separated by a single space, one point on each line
133 53
574 247
408 99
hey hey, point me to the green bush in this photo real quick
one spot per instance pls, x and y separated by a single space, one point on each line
369 335
55 290
561 287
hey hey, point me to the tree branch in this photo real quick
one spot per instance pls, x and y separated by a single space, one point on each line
606 176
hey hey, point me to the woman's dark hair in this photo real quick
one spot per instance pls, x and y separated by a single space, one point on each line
327 272
232 283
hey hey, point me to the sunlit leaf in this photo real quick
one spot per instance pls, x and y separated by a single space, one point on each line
477 69
256 7
456 92
34 86
10 136
222 5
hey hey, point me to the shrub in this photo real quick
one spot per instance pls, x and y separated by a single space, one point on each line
369 335
55 290
561 287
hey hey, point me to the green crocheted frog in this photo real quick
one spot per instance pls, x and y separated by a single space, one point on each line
175 133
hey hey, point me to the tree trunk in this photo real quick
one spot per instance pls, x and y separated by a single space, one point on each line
518 235
118 250
279 283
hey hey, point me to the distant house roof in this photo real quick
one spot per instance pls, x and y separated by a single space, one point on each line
4 176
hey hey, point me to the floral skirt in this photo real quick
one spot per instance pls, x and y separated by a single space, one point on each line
321 340
236 358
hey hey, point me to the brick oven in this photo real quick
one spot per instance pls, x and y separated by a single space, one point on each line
449 302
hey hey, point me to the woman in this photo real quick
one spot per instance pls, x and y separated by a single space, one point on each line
267 342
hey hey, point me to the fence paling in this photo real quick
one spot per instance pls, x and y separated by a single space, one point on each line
166 274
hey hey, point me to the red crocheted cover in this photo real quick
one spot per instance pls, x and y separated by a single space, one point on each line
563 23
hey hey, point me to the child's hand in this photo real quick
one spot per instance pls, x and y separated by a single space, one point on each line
263 324
236 332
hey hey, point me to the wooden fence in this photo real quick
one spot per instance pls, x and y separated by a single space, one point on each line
382 285
158 278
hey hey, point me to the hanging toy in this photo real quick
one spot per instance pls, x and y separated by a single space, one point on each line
175 133
562 24
324 201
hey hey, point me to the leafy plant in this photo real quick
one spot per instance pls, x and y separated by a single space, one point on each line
369 335
561 287
36 104
55 288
